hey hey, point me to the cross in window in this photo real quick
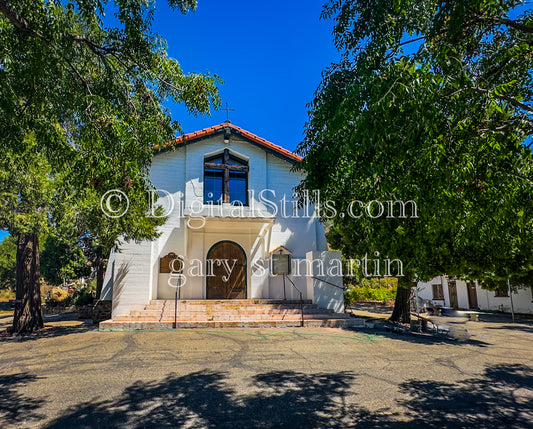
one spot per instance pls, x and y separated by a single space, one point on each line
233 170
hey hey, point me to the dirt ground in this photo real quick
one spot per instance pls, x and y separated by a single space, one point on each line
72 376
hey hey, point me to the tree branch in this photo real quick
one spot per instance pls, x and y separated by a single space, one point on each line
517 25
510 100
18 21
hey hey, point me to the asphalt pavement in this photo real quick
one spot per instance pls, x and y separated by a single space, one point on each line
73 376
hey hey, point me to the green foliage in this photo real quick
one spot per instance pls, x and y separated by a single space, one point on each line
522 282
85 295
432 102
27 186
81 296
8 256
369 293
81 106
62 260
359 288
92 98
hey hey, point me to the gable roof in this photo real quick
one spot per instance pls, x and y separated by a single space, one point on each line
233 130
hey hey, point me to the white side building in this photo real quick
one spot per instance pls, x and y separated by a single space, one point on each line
454 293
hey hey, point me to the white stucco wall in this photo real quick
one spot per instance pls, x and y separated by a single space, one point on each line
132 280
522 301
324 281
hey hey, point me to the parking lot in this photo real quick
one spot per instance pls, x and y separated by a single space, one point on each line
74 376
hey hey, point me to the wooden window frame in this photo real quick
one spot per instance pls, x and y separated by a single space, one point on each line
440 289
226 168
498 293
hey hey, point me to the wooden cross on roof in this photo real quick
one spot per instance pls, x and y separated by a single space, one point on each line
227 112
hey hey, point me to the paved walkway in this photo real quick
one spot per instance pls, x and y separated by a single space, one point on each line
73 376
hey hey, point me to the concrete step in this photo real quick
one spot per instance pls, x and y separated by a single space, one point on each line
229 317
234 301
159 314
248 311
114 325
219 306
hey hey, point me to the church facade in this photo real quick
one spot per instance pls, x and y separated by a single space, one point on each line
234 230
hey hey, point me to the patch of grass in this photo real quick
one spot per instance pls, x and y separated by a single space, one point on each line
6 295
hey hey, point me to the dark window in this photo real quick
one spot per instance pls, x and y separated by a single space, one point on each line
225 179
437 291
213 186
237 187
500 293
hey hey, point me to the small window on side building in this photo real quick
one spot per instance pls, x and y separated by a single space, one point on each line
437 292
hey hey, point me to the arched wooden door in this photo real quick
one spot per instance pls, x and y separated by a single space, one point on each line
226 271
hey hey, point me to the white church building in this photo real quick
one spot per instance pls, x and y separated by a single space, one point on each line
229 199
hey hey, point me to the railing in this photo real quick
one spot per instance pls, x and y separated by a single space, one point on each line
328 283
301 296
177 297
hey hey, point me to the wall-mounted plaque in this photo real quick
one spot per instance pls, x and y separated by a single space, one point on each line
281 263
165 263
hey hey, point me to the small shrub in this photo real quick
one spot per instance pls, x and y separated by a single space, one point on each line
370 293
83 296
57 297
52 302
58 294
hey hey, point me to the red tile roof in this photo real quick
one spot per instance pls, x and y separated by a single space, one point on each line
218 129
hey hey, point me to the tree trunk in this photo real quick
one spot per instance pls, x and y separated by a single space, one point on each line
101 264
28 316
401 312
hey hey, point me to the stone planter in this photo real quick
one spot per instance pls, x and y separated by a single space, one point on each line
58 310
101 311
85 312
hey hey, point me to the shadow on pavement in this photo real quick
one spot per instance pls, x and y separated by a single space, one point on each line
55 325
503 398
517 327
499 398
424 339
203 399
14 407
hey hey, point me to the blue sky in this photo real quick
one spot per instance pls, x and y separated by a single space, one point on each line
269 54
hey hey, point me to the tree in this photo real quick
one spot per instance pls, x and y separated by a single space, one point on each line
8 264
62 259
27 190
81 105
431 103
